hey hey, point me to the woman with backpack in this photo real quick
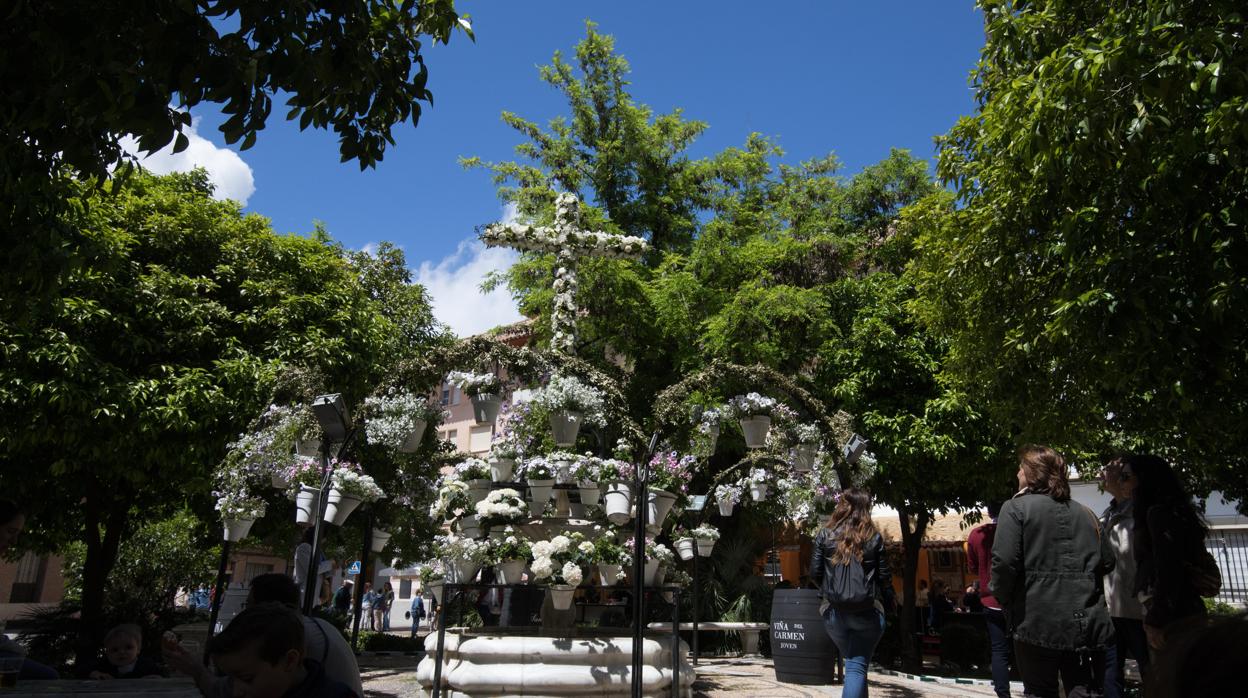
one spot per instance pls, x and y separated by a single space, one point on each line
1173 567
851 570
1048 562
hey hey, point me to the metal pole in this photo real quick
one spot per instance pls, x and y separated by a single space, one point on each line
447 590
695 607
359 593
676 646
310 589
215 609
639 564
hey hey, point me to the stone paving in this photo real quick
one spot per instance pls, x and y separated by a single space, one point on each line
395 677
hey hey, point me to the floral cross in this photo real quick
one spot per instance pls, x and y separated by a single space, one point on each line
568 241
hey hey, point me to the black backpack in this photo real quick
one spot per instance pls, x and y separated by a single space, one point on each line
847 587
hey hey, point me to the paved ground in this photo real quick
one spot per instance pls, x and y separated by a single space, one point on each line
394 677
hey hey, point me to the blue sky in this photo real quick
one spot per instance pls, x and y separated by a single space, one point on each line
854 78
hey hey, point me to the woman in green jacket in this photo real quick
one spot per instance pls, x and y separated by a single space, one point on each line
1048 560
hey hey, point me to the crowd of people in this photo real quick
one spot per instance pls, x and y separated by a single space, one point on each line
1066 595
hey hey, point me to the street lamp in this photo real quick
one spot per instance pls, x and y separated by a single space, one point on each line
331 413
853 449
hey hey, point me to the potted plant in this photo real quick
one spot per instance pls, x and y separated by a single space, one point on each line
657 557
675 577
753 411
537 474
272 447
617 500
806 440
476 473
462 557
511 554
569 403
686 547
380 538
562 463
451 500
349 487
398 419
305 478
502 461
501 506
727 496
670 473
239 511
432 577
557 561
757 482
611 558
587 472
705 535
482 389
710 422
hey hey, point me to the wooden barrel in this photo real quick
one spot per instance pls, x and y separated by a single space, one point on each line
800 647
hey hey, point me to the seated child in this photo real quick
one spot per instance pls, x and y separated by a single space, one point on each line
121 658
261 654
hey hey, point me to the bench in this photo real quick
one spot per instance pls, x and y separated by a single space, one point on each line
749 631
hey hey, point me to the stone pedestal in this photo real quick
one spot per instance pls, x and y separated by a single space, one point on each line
479 664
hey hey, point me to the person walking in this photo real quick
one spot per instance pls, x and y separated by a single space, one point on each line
851 571
417 612
366 605
381 608
1048 562
1173 568
979 562
1125 610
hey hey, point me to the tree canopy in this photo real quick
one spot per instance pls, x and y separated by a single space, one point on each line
1092 280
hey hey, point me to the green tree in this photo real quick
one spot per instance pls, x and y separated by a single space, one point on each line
119 397
1093 282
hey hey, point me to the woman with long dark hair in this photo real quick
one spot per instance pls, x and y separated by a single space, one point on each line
852 571
1048 561
1169 537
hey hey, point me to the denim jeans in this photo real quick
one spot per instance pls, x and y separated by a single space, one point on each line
855 634
1130 641
999 643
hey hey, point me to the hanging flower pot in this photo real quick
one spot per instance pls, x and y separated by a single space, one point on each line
485 407
307 502
479 490
561 596
726 507
618 502
310 448
685 548
563 472
435 588
339 506
412 443
705 547
237 529
564 426
755 430
758 491
804 456
463 571
539 494
501 469
590 494
279 480
470 527
510 572
608 575
651 576
660 504
380 538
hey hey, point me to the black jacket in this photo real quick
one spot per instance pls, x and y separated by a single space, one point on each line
877 578
1048 561
1170 540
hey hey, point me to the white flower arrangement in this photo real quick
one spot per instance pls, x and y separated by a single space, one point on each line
473 383
393 417
271 448
567 393
730 492
357 484
559 558
238 505
752 405
806 434
587 468
712 418
511 547
473 469
502 505
757 475
705 532
431 571
452 498
536 468
660 553
452 548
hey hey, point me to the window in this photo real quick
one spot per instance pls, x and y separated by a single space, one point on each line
479 438
446 394
405 588
255 569
451 435
28 580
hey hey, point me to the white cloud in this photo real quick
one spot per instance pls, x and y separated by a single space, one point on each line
454 285
226 170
